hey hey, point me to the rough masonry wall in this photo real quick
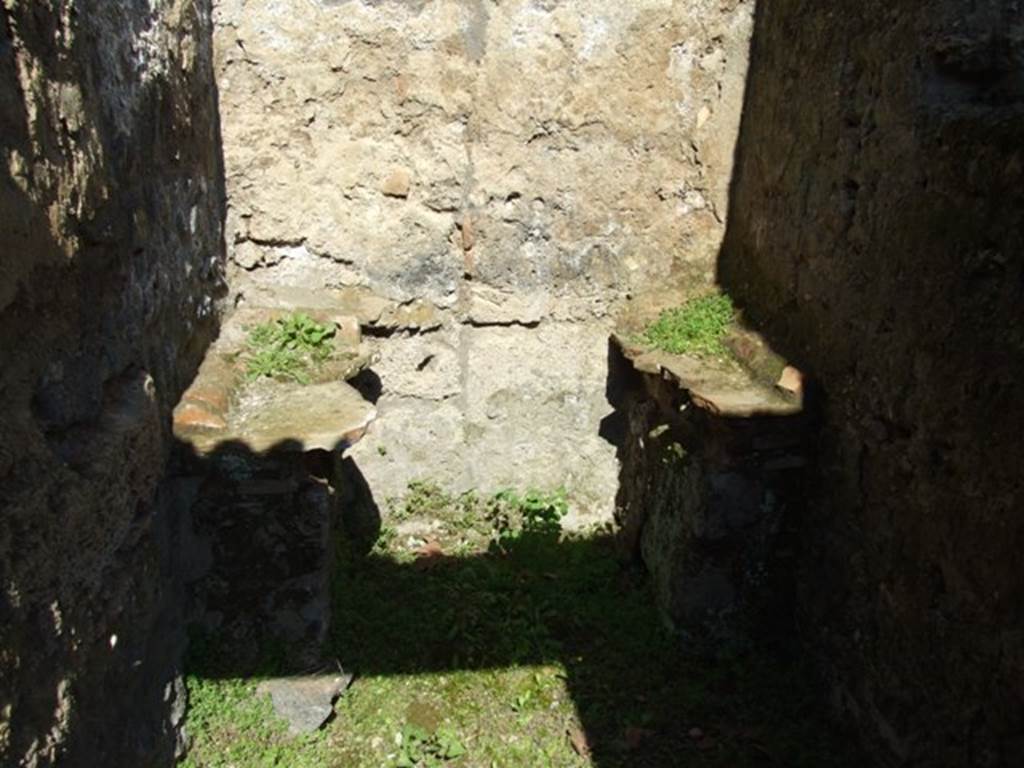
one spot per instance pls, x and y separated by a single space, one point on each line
876 237
525 167
111 200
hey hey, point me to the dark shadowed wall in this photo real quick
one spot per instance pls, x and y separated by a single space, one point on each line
876 236
111 200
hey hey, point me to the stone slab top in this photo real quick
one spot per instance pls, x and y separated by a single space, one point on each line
290 416
722 387
224 405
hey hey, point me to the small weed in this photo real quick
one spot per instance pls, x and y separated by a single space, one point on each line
534 513
385 538
695 328
289 348
426 499
420 749
522 701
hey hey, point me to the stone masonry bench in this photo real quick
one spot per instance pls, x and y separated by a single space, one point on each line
259 457
712 481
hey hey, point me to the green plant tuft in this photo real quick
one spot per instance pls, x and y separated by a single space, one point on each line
696 328
289 348
427 750
532 514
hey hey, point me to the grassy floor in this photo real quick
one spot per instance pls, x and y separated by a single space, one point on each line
478 643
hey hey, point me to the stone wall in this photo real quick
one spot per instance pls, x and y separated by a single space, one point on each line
876 237
111 218
526 168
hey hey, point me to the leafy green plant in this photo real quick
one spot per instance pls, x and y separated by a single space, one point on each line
288 347
522 701
385 538
534 513
696 328
426 498
420 749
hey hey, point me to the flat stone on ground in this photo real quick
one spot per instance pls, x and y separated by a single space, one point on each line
305 702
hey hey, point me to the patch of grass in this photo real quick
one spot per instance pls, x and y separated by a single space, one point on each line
288 348
431 749
470 519
232 727
424 498
696 328
492 655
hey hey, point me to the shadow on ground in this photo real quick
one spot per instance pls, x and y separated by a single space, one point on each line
573 609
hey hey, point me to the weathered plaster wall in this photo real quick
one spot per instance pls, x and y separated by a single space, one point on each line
876 236
526 167
111 200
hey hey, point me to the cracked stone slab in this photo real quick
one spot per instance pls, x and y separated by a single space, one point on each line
291 416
